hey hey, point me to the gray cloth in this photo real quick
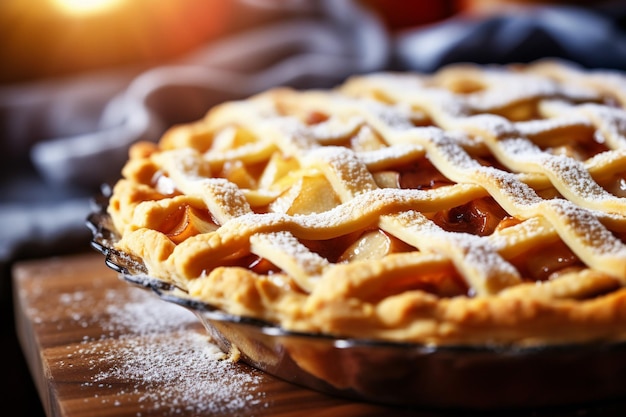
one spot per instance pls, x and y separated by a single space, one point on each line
78 130
594 38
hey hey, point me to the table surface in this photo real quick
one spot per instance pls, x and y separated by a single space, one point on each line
98 346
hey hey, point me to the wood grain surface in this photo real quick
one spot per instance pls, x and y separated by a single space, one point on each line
97 346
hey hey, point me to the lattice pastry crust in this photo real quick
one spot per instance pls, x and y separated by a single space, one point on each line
476 205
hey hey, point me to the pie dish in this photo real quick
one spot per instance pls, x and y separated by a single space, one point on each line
477 209
578 378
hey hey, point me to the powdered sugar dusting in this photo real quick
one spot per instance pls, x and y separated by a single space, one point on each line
163 359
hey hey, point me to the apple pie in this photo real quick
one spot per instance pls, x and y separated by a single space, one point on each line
478 205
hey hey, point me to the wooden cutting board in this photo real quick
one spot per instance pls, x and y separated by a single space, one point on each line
98 346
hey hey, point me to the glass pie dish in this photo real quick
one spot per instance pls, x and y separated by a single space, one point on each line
396 374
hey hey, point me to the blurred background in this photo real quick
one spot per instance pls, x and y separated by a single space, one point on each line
80 80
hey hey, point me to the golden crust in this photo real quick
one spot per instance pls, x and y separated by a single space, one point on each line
477 205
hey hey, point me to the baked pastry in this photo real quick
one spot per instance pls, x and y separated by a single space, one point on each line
479 205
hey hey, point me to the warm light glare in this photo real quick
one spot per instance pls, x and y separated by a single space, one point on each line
86 7
57 38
